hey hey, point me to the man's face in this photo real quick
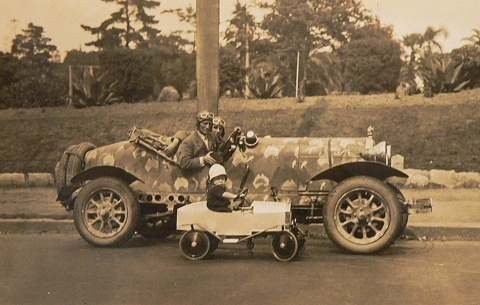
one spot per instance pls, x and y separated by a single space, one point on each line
204 127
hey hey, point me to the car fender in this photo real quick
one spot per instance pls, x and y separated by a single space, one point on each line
363 168
103 171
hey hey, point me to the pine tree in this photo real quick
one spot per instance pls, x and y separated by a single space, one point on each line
128 27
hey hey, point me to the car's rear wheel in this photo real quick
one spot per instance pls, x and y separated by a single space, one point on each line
194 244
284 246
363 215
106 212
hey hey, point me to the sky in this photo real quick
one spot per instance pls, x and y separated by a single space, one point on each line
61 19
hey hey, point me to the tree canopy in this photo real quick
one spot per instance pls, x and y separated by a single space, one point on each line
128 27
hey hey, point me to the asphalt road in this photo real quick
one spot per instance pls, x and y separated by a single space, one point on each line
63 269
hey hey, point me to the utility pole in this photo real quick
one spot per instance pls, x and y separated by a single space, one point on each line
207 38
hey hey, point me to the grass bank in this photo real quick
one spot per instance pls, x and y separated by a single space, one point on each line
438 133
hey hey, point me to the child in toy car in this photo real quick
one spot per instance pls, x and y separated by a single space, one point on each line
218 198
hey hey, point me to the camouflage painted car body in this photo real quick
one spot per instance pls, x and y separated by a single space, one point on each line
287 164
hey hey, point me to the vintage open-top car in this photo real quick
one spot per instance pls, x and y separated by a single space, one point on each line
134 186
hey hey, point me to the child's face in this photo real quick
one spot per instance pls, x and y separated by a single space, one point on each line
219 180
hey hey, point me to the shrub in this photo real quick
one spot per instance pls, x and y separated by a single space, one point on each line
324 73
442 75
132 70
169 94
34 92
264 80
8 67
231 71
91 90
469 55
371 65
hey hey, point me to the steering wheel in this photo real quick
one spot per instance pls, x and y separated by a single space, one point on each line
242 195
232 139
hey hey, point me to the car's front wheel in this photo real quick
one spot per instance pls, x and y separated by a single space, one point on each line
363 215
106 212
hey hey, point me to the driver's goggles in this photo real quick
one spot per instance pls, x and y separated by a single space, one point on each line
218 121
206 115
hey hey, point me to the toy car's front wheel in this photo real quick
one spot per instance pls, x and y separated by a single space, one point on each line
363 215
284 246
194 244
106 212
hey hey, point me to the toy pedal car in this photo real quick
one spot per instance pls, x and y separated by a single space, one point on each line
206 229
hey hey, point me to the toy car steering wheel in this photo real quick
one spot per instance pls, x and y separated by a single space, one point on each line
242 195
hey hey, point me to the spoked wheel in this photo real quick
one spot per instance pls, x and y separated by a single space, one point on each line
363 215
194 244
106 212
284 246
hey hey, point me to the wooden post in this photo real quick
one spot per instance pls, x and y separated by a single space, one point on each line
297 75
207 38
70 85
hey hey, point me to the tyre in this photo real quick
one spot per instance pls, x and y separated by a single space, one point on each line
284 246
106 212
401 201
301 238
194 244
71 163
363 215
214 242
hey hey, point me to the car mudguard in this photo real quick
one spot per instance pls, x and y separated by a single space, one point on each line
363 168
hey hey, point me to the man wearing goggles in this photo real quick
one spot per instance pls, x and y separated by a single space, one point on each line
195 151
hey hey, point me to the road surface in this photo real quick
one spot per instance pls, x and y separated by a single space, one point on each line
63 269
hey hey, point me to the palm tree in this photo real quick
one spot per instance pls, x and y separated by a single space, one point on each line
474 38
424 44
430 36
414 43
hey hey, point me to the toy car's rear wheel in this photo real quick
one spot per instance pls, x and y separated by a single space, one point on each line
194 244
214 242
301 238
284 246
106 212
363 215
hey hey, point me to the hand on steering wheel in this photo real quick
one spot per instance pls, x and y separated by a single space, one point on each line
241 196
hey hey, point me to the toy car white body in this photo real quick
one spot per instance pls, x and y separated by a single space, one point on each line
205 228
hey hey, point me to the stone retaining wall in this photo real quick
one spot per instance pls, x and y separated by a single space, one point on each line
26 180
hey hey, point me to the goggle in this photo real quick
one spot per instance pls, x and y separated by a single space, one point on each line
218 121
205 115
